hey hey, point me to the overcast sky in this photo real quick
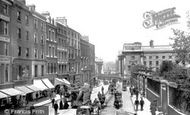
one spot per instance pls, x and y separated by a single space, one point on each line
110 23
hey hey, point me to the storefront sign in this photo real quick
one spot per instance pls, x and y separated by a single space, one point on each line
4 18
160 19
4 59
5 39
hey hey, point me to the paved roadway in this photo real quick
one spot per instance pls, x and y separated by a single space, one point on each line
126 109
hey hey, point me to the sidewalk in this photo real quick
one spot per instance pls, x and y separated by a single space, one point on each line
128 106
146 108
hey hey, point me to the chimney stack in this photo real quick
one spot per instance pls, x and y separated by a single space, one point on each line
151 43
62 20
47 15
32 7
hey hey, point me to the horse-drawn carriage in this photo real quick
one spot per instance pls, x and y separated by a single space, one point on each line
118 100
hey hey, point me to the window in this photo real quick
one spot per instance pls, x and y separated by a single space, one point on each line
54 67
170 57
145 63
26 20
19 33
19 51
42 70
163 57
42 39
27 52
53 35
49 51
35 23
150 57
132 57
157 63
49 34
18 15
20 71
6 73
52 52
42 54
5 9
41 26
51 67
5 29
35 53
6 49
157 57
48 68
150 63
35 71
144 57
27 35
35 38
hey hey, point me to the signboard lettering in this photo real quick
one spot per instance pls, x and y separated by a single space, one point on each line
160 19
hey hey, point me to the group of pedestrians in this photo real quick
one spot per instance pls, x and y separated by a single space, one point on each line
135 91
101 97
62 105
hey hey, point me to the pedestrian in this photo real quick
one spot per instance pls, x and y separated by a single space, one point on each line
102 90
130 89
66 105
60 105
136 104
153 107
55 108
53 101
141 103
31 109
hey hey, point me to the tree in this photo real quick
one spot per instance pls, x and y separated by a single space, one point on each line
166 66
181 45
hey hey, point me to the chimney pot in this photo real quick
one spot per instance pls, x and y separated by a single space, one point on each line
151 43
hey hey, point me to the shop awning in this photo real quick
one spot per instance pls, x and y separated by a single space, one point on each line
2 95
39 84
24 89
32 87
61 81
66 82
48 83
12 91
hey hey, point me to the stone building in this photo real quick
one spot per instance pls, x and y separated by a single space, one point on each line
62 48
74 55
39 40
51 47
151 56
5 44
22 42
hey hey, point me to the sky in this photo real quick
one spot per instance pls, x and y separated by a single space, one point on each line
111 23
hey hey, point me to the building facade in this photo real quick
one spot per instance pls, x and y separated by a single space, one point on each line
151 56
98 66
74 55
85 62
39 47
5 44
21 42
51 47
62 49
34 46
